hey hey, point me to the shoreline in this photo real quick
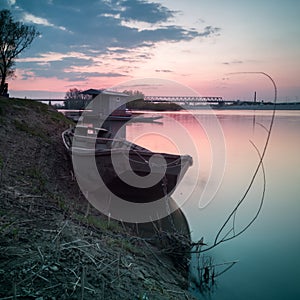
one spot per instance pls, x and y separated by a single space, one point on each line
54 244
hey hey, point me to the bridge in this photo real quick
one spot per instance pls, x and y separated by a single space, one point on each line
191 101
185 100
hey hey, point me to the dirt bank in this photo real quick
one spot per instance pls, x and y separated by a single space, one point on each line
50 248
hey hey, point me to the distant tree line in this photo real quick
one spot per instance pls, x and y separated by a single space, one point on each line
134 93
74 99
140 104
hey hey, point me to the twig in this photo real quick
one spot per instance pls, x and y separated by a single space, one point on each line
60 231
30 196
40 276
87 212
88 289
14 288
51 287
106 266
259 166
77 247
32 275
175 292
225 238
121 275
103 289
118 271
10 297
40 253
64 244
76 283
231 264
88 255
82 282
152 252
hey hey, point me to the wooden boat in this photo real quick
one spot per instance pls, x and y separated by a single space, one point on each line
129 171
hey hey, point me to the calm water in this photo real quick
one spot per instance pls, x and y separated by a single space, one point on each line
224 162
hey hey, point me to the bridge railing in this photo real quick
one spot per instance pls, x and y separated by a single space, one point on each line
184 99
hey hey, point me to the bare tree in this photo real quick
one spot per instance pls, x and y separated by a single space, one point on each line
15 37
136 93
76 100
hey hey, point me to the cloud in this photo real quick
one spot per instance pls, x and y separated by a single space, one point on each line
71 66
11 2
101 24
210 30
143 11
77 35
172 33
233 62
163 71
63 71
57 56
82 76
117 50
27 17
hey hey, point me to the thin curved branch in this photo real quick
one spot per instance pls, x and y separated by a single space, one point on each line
232 215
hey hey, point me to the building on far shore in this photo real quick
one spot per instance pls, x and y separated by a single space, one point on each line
107 102
110 107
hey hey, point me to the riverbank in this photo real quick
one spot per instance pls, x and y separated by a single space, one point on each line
141 105
53 245
258 106
236 105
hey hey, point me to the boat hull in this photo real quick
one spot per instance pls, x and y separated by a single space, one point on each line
130 174
167 176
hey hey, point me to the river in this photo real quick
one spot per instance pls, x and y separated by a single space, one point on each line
226 148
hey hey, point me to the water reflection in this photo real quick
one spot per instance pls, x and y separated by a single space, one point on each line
269 266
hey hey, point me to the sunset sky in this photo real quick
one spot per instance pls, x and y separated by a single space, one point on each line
103 43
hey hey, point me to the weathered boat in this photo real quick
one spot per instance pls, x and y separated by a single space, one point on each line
129 171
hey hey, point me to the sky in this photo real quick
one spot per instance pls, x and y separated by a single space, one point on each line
210 48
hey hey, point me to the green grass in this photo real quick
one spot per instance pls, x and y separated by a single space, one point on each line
59 117
36 105
61 201
124 244
100 223
23 126
3 104
103 224
40 180
26 105
19 103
